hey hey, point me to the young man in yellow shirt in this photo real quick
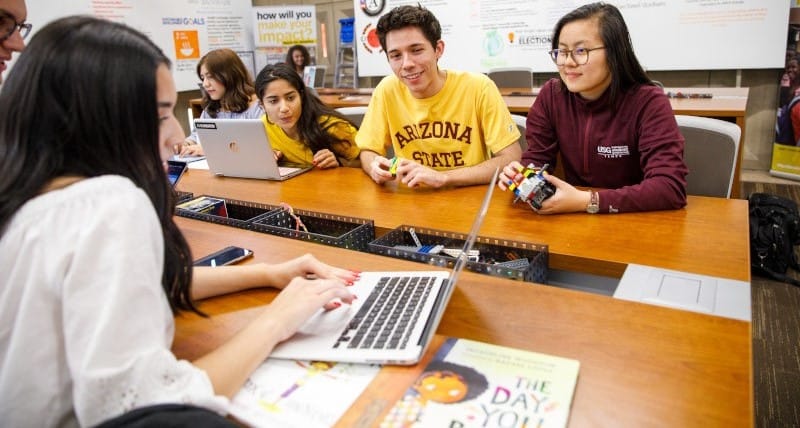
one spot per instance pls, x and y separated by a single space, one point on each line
447 128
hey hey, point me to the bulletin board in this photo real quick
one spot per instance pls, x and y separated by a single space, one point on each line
667 35
184 29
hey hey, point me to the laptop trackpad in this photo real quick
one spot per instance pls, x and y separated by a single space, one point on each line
328 322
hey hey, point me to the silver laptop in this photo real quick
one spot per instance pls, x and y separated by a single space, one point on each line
378 328
240 148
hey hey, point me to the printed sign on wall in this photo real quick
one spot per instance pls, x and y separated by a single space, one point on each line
284 26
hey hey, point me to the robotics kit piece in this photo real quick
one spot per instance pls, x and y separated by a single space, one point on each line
534 188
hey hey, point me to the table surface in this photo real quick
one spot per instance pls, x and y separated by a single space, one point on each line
710 236
641 365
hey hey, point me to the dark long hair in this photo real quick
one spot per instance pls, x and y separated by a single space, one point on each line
227 68
303 50
81 101
313 133
625 68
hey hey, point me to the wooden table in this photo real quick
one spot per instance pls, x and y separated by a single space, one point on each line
641 365
710 236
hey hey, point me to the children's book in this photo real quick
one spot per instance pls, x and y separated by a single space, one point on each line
294 393
474 384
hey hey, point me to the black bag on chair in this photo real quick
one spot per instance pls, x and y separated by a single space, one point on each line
774 232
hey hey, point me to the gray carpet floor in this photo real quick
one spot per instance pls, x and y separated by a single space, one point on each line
776 337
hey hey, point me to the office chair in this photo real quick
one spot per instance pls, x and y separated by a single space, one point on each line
512 77
319 76
314 76
520 121
711 153
355 113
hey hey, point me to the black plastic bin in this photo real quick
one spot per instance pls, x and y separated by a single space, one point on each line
241 214
330 229
498 257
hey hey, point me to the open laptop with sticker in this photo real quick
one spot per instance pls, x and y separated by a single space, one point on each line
241 148
393 319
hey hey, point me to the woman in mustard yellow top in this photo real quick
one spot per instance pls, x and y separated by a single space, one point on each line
301 129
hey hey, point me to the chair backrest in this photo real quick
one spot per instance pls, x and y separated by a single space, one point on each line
314 75
711 153
355 113
319 76
512 77
520 121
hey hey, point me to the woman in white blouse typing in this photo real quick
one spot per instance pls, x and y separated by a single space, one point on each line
92 265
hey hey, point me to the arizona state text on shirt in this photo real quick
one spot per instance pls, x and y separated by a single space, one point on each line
435 130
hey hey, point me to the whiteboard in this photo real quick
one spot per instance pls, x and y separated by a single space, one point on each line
667 35
183 29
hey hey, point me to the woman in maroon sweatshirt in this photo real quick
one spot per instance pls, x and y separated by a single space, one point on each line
612 126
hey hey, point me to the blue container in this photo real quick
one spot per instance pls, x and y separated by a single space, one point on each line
346 34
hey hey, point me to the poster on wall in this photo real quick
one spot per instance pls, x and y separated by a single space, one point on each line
786 147
184 29
276 28
484 34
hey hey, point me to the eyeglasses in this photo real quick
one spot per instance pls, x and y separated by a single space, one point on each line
579 55
8 25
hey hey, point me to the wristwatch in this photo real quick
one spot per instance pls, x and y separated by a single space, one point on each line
594 203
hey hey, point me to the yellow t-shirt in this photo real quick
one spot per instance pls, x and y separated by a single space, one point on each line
295 152
462 125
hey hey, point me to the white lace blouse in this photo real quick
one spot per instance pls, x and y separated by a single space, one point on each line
85 327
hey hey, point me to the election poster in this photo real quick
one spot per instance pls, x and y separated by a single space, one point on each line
483 34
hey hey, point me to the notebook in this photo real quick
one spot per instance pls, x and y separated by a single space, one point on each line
344 335
240 148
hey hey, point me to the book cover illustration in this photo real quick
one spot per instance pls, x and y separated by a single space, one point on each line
293 393
475 384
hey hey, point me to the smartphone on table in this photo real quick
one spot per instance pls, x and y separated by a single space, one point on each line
225 256
175 170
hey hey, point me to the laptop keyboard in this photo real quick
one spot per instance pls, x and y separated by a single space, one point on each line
388 315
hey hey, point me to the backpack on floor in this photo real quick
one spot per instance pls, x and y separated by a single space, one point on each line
774 232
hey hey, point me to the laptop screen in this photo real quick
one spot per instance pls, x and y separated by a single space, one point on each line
175 170
463 258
